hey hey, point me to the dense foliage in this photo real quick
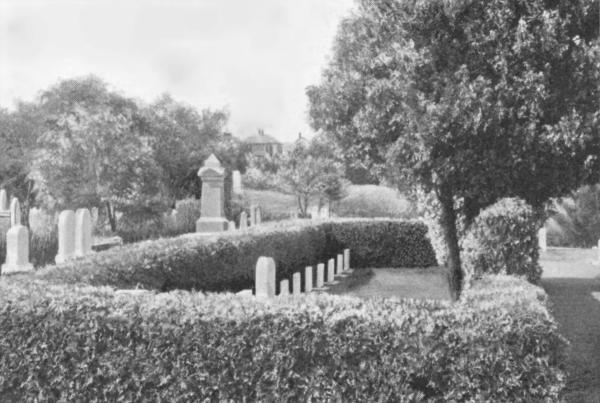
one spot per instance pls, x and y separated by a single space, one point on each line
503 239
64 343
227 261
472 100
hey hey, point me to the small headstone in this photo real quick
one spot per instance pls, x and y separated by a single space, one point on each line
296 283
231 226
17 250
258 215
314 212
264 280
542 239
253 215
346 259
236 179
83 232
340 264
308 279
15 212
3 200
324 211
66 236
330 270
284 287
320 275
243 220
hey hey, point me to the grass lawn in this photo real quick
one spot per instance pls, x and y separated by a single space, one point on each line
572 282
421 283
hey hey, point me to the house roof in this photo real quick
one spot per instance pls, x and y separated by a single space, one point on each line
262 138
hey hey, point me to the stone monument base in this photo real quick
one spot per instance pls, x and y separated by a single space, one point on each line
211 224
15 268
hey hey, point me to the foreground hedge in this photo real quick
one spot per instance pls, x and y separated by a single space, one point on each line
228 262
63 343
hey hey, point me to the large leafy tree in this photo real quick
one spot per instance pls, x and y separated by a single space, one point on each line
93 152
470 100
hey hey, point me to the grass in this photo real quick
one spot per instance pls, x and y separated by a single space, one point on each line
572 281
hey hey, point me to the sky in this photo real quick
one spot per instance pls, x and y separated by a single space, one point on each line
253 57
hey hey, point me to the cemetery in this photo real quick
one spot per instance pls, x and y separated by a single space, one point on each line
436 240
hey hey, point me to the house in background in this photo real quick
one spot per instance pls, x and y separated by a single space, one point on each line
303 141
262 144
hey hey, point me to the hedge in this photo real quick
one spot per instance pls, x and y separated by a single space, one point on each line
227 262
71 343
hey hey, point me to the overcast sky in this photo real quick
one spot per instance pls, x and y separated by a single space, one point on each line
254 57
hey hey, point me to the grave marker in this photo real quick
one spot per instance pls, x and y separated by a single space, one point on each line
236 179
346 259
284 287
320 275
340 264
264 279
3 200
66 236
308 279
296 283
83 232
330 270
15 212
243 220
17 250
212 217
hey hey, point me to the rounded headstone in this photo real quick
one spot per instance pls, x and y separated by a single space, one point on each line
17 250
264 280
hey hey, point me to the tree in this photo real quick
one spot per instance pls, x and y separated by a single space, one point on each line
470 100
182 138
93 152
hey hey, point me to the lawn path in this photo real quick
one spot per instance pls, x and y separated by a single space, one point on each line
402 283
573 285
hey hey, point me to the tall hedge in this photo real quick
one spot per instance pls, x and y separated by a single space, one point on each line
66 343
227 262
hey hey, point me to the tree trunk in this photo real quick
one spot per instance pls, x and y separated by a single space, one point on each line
111 217
455 274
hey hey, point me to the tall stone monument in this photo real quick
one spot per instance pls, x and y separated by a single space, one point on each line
212 213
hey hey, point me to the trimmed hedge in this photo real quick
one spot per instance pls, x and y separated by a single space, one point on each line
66 343
227 262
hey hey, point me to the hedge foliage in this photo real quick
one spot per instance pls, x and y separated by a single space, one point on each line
70 343
227 262
503 239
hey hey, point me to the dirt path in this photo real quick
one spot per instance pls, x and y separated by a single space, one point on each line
573 285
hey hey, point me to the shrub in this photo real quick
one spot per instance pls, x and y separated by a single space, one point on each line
374 201
503 239
65 343
227 261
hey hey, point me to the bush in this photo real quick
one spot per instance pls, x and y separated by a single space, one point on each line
503 239
64 343
227 261
374 201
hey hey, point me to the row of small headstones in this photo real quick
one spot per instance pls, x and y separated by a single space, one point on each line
255 218
265 276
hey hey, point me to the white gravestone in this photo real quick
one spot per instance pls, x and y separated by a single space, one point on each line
243 220
231 226
15 212
17 245
308 279
212 213
3 200
236 179
66 236
542 239
324 211
340 264
320 275
296 283
330 270
264 279
253 215
346 259
258 215
284 287
83 232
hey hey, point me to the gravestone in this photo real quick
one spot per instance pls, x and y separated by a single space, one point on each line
15 212
17 246
324 211
264 278
330 270
542 239
258 215
308 279
66 236
212 213
314 212
236 179
346 259
231 226
253 215
320 275
284 287
243 220
296 280
3 200
340 264
83 232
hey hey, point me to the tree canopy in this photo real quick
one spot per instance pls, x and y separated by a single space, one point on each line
468 99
